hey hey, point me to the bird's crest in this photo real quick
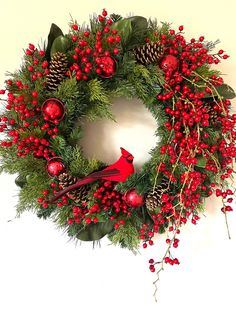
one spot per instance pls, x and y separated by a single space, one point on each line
126 154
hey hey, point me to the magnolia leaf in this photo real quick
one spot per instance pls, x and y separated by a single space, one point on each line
124 29
226 91
223 90
54 32
132 30
139 23
60 44
20 181
201 162
94 232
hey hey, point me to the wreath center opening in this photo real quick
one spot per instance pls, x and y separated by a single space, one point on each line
134 129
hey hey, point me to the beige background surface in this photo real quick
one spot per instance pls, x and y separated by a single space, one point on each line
40 272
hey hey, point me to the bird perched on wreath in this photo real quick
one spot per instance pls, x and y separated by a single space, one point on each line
118 172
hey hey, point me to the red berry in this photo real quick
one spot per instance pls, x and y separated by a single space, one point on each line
100 18
40 200
75 27
104 12
87 221
41 53
115 51
86 33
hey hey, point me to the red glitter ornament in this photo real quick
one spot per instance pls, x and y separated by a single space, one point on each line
133 199
53 109
55 166
169 63
107 66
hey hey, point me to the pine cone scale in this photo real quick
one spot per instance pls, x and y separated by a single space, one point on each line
149 53
153 198
57 70
79 195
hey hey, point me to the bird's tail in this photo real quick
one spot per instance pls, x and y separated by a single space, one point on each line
71 188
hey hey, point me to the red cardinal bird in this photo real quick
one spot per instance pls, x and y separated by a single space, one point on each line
119 172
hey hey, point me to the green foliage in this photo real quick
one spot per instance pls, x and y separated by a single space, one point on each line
60 44
99 101
79 166
132 30
127 236
94 232
139 180
54 32
31 191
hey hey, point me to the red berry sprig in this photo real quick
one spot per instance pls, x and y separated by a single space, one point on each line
95 53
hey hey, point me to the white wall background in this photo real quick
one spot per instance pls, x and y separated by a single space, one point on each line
40 271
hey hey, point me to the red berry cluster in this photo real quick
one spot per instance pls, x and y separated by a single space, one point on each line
189 146
24 105
93 53
111 203
107 202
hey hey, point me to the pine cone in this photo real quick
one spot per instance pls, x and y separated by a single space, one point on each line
149 53
153 198
209 109
57 70
79 195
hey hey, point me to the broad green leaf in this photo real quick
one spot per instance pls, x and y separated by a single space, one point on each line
139 23
95 232
226 91
223 90
60 44
20 181
124 28
132 30
54 32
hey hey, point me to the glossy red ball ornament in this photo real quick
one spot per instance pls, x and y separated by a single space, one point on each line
132 199
169 63
107 65
55 166
53 109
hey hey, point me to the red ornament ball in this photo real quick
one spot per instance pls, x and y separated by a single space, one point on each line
133 199
169 63
55 166
107 66
53 109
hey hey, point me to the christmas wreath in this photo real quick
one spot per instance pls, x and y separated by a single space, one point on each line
76 76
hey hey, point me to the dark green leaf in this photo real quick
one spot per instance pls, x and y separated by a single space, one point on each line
55 32
20 181
95 232
60 44
132 30
124 28
139 24
226 91
223 90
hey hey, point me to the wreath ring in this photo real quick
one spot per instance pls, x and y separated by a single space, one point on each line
75 76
